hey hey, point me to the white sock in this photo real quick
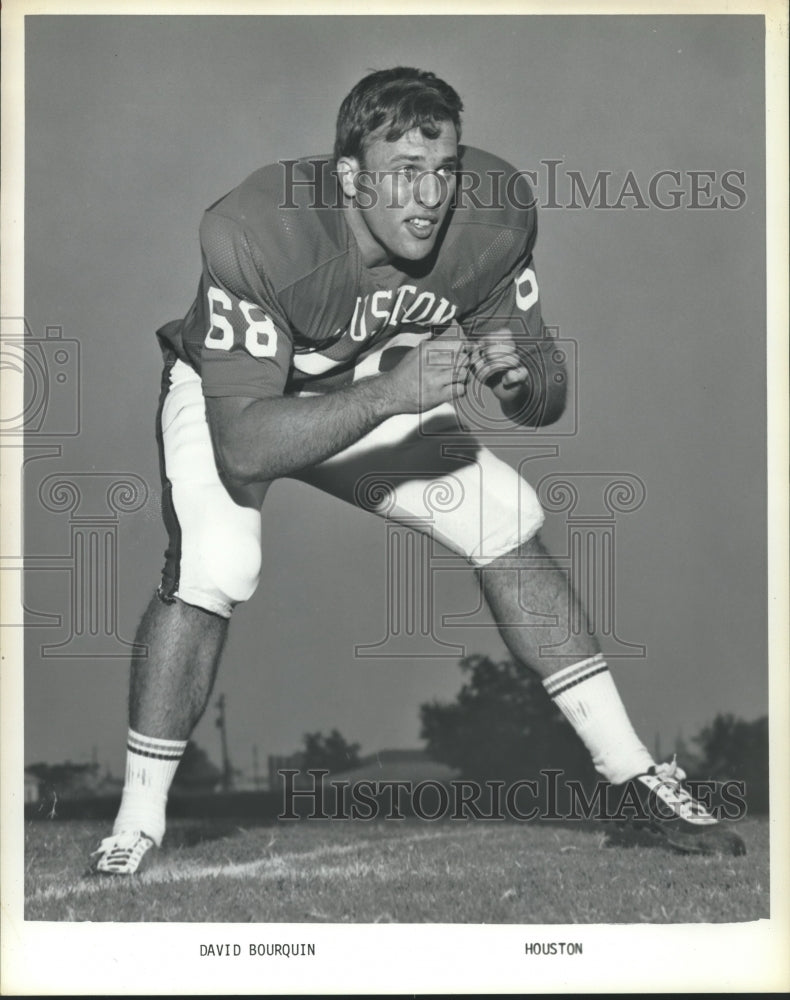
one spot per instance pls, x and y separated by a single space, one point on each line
586 695
150 767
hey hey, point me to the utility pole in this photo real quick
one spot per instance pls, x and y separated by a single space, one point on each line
227 769
255 775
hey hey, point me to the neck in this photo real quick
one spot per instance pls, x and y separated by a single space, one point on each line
372 252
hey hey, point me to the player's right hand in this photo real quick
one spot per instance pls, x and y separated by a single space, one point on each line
433 372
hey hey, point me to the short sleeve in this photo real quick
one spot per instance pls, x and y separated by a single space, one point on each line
247 346
513 304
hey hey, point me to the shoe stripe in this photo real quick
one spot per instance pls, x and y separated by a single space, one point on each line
577 680
122 858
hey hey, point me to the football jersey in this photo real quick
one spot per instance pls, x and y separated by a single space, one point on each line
286 304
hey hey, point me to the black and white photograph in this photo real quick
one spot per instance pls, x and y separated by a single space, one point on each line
394 471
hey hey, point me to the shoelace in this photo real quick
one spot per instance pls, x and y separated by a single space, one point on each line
671 775
118 842
670 771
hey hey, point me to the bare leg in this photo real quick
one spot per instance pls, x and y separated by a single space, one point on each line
169 687
526 582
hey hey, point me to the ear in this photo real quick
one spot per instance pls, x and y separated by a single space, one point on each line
347 169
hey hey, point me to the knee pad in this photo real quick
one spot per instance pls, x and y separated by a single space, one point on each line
220 560
516 520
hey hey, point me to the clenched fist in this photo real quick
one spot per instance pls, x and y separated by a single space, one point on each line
495 361
433 372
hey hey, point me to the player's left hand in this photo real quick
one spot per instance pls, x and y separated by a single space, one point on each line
495 361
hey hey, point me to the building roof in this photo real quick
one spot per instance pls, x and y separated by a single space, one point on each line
397 765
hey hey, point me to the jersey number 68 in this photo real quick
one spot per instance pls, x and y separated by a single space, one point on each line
260 334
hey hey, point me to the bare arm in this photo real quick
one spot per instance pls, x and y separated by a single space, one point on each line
262 439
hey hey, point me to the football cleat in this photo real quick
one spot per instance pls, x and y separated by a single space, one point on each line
670 817
121 853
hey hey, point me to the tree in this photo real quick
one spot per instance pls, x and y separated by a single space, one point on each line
503 726
733 749
196 772
330 753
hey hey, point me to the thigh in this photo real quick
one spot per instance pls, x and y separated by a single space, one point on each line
213 555
421 470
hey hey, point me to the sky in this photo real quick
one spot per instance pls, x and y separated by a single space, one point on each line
135 125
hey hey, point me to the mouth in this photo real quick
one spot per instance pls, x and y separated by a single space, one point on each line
422 227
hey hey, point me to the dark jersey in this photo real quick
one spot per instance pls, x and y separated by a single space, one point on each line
286 305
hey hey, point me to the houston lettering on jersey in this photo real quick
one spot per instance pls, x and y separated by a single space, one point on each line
378 314
395 307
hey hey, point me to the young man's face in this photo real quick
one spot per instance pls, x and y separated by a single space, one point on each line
402 194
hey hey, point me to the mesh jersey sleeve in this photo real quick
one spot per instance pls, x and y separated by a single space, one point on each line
513 304
247 348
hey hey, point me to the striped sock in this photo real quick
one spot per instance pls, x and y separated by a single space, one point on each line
586 695
150 767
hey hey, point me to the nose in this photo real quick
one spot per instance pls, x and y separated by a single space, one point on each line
430 189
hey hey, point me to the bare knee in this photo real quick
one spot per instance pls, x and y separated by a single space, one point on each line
524 555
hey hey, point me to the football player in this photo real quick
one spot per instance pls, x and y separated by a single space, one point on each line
344 304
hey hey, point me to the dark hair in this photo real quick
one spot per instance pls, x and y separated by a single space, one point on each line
402 97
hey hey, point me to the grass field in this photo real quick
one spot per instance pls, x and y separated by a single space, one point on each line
404 872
